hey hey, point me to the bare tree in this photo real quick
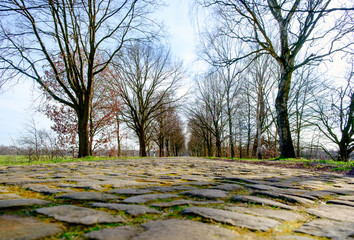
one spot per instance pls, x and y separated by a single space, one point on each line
261 80
200 141
218 48
306 88
146 78
37 143
84 35
167 132
282 29
335 112
210 107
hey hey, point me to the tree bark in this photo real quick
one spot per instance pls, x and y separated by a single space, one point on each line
209 145
83 130
142 145
118 136
281 105
218 145
259 139
161 147
232 150
343 152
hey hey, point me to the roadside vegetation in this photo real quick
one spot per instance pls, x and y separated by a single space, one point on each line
315 164
9 160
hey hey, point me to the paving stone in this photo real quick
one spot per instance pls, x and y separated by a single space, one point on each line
134 210
300 194
171 229
262 201
94 196
346 198
293 237
20 182
25 228
272 179
241 179
341 202
45 189
9 196
334 212
84 185
286 185
117 233
79 215
286 197
260 187
283 215
206 193
184 202
341 191
314 185
168 175
233 218
170 188
121 183
199 183
130 191
228 187
148 197
329 229
319 193
22 202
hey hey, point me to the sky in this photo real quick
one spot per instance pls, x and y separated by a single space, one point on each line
17 105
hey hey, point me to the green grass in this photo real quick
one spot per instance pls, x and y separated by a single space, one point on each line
337 165
9 160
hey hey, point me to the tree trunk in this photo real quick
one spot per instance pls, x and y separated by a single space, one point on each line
259 139
218 145
343 154
298 148
142 145
83 130
118 136
167 148
255 144
232 150
281 105
161 147
260 120
209 145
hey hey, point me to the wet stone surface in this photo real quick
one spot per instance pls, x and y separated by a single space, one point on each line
152 198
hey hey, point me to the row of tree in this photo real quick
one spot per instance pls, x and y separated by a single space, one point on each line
97 65
244 125
260 91
102 63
